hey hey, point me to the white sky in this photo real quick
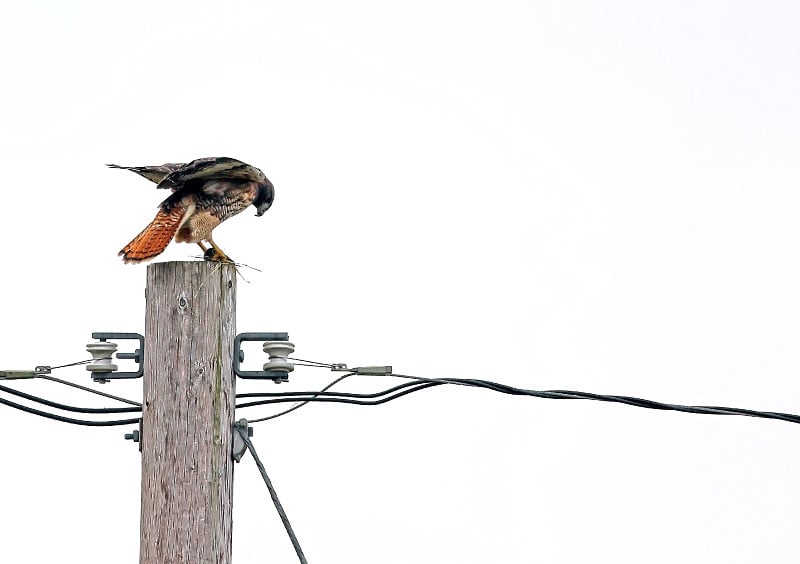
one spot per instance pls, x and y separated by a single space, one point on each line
599 196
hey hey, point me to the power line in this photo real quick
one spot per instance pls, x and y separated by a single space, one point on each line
67 419
336 397
377 398
302 403
323 392
65 407
637 402
419 384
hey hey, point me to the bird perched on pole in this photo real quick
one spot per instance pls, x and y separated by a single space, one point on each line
205 192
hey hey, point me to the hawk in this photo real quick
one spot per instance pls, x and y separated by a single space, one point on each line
205 192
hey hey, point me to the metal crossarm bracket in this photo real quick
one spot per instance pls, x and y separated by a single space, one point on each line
137 356
276 376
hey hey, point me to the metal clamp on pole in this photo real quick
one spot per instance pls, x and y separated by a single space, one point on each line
239 447
276 345
102 368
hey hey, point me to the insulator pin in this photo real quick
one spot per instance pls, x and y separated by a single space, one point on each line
101 354
278 351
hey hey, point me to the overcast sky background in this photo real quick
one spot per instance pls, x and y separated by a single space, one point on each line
598 196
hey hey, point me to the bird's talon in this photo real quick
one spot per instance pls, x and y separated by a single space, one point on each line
212 255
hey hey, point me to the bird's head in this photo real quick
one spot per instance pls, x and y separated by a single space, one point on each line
264 196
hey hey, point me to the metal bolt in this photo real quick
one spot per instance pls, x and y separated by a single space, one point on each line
133 436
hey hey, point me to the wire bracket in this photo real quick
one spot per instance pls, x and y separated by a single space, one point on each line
278 347
102 368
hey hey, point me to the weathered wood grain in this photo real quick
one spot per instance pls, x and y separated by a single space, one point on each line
188 410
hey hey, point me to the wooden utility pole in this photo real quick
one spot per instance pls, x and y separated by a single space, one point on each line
188 412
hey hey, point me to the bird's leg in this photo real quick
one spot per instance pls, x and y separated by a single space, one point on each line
215 253
210 253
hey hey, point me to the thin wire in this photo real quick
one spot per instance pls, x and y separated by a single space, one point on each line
72 408
274 495
67 419
311 362
71 364
302 403
248 266
85 389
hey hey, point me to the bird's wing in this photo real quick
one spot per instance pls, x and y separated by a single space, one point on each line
212 168
155 237
152 173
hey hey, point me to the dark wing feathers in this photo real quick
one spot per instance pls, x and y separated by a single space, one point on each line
200 173
152 173
213 168
212 176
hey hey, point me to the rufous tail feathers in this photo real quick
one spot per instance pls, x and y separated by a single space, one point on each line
155 237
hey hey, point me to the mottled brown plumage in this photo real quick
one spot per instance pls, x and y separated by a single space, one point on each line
205 192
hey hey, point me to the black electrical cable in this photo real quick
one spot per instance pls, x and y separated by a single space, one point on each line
424 383
71 408
325 398
333 397
338 397
637 402
323 392
67 419
302 403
